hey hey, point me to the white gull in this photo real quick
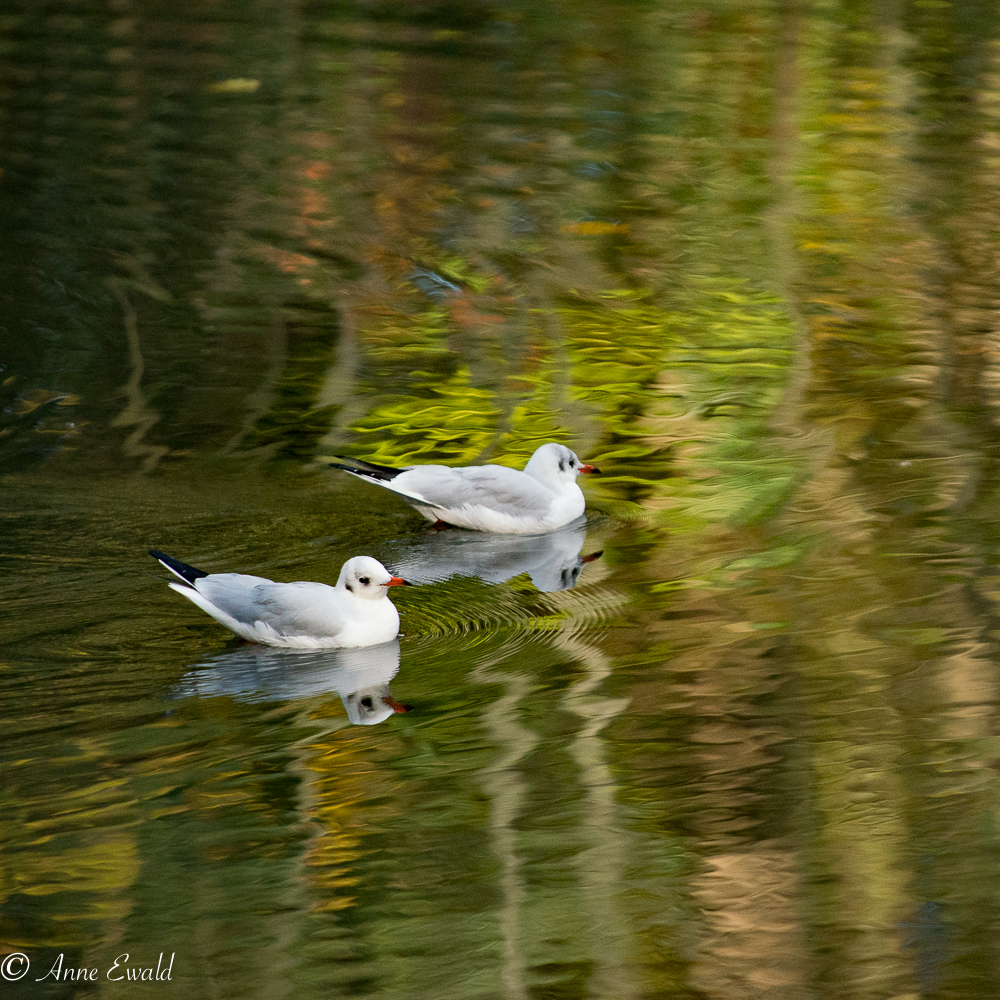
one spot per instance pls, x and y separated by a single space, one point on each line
356 612
495 498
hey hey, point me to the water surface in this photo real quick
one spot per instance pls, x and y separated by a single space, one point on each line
742 258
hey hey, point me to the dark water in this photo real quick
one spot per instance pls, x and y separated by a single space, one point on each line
743 257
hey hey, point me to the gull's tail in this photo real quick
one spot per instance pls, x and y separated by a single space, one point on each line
383 475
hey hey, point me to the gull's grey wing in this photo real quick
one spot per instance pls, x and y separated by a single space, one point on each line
231 593
507 491
289 608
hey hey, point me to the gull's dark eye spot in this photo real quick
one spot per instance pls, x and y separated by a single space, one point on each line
562 464
366 702
364 581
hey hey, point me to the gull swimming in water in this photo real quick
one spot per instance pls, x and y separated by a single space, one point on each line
495 498
356 612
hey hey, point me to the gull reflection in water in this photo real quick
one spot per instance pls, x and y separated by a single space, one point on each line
262 673
552 560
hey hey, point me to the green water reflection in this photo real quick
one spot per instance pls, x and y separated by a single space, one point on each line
743 257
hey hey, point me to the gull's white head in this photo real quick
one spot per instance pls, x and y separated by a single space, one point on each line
366 577
556 463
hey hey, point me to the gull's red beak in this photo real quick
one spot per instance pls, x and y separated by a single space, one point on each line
396 706
592 556
397 581
589 468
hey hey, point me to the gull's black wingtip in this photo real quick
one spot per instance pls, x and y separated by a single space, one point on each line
183 570
382 473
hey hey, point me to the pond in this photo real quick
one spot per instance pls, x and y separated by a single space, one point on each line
734 736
